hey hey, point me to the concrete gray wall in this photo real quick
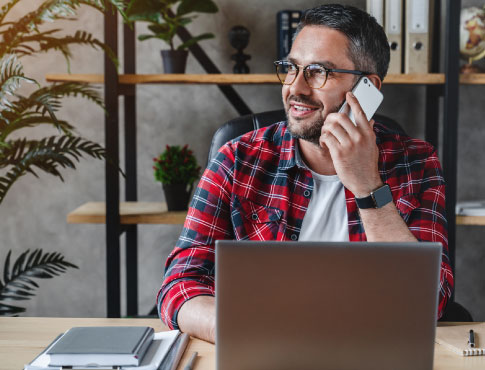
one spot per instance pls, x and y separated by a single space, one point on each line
34 213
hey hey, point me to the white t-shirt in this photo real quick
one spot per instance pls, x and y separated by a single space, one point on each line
326 218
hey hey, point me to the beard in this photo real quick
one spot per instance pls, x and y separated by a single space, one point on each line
310 131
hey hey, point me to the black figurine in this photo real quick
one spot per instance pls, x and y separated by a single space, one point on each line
239 39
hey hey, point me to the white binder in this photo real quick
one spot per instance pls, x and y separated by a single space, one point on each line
393 28
376 9
418 32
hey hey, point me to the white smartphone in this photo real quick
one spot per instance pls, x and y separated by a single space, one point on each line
368 96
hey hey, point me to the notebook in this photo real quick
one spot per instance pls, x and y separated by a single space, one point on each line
161 345
315 305
455 338
101 346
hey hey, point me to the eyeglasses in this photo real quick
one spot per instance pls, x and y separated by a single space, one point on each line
315 75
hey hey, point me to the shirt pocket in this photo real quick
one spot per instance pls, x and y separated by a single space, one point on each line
406 204
253 221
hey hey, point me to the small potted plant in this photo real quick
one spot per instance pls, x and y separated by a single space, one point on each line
164 23
176 168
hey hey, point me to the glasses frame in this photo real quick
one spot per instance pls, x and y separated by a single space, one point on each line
304 68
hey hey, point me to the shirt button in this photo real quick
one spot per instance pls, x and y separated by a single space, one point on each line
294 237
307 193
254 216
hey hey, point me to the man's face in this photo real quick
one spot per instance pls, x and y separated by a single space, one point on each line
305 107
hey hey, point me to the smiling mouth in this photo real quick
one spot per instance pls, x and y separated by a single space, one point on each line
299 110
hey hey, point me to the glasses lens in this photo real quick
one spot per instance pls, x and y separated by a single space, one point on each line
286 72
315 76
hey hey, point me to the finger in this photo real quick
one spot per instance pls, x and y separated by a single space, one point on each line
360 117
330 141
338 131
343 120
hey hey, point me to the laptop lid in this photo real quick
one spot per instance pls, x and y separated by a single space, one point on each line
316 305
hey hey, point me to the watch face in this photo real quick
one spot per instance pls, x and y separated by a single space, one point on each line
382 196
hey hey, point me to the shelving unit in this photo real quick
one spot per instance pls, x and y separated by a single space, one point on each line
89 213
123 217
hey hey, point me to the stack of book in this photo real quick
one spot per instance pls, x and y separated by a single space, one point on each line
286 24
112 347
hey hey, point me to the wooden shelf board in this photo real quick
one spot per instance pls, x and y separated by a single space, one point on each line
470 220
130 213
472 78
415 79
236 79
131 79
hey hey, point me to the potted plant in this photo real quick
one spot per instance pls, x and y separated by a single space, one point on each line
165 21
176 168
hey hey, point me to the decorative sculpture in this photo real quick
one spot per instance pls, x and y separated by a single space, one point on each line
239 39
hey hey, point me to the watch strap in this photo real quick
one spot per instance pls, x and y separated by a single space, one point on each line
366 202
377 198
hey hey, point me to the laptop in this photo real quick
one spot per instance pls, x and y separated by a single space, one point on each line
332 305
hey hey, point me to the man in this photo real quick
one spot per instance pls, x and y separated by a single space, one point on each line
303 179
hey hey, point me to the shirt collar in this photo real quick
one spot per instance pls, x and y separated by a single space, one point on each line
289 155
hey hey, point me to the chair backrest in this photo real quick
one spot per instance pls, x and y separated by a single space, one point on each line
241 125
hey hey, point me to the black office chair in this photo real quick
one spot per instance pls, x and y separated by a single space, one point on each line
241 125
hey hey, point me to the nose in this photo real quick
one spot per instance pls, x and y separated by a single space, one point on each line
299 86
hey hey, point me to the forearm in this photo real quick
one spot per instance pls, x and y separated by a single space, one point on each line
197 317
385 225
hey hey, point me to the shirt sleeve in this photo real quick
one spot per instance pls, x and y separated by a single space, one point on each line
190 267
427 221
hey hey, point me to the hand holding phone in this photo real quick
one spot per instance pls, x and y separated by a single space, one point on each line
369 98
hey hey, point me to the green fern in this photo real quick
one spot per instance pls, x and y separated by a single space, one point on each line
17 284
11 76
20 35
24 156
41 107
18 112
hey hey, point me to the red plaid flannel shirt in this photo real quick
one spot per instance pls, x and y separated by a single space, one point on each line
254 190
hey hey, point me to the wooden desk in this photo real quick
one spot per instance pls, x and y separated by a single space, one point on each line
23 338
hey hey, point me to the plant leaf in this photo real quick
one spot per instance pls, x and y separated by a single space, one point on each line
6 8
24 156
11 76
80 37
7 310
195 40
144 9
200 6
19 285
159 28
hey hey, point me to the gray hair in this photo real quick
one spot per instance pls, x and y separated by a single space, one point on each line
368 44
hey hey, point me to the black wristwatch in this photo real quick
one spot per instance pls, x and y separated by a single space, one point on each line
377 198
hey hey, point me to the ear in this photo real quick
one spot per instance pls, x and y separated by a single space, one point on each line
375 80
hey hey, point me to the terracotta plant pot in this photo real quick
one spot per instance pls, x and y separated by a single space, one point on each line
177 196
174 61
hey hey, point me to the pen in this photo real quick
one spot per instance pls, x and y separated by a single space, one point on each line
190 364
471 339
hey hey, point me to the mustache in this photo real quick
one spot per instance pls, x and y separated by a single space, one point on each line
302 99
